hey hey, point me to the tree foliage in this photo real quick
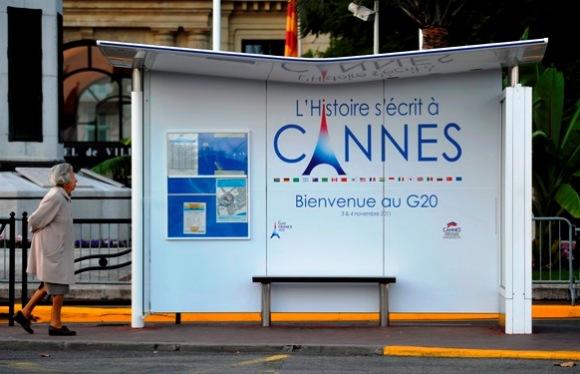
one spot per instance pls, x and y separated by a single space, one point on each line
468 21
556 147
431 12
117 168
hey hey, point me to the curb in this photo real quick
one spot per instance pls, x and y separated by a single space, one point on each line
330 350
185 347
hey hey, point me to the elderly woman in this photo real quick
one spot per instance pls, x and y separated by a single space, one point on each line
51 254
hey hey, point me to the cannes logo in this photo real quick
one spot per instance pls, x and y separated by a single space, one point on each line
323 153
452 230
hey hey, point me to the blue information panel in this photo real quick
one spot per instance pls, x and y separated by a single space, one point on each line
207 185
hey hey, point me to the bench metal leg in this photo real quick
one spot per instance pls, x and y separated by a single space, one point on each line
266 304
384 304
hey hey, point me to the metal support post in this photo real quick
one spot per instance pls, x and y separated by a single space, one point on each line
384 304
11 269
514 75
24 294
266 304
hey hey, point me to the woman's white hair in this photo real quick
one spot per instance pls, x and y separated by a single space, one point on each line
60 174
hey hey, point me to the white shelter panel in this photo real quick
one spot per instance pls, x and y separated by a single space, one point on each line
204 274
442 240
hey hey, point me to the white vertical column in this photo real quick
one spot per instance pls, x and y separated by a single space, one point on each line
517 210
216 25
137 253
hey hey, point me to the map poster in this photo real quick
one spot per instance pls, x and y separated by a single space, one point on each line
194 218
232 201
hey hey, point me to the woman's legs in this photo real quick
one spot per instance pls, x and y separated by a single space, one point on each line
55 326
37 297
55 320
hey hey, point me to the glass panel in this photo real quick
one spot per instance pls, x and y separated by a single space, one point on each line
73 86
126 83
126 120
99 104
86 132
108 120
264 47
126 109
253 48
91 108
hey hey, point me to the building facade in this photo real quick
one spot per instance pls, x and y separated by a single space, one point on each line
92 122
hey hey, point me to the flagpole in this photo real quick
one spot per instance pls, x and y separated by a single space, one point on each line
376 29
298 39
217 21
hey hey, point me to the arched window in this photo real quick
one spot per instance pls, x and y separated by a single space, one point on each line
97 96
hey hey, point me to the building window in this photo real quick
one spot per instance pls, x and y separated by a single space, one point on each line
103 110
96 111
263 47
97 97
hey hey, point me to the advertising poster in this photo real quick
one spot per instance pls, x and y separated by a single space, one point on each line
389 178
194 217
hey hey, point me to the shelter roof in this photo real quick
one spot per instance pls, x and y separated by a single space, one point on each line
354 69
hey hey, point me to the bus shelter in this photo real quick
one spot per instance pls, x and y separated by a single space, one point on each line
415 165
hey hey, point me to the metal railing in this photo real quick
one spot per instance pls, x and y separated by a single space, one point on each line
102 250
103 247
553 248
10 226
102 253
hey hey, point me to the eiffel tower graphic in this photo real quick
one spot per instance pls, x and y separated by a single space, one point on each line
275 232
323 153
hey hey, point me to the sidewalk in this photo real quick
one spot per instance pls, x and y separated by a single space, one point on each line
108 328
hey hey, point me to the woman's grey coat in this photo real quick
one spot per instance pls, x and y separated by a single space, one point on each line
51 252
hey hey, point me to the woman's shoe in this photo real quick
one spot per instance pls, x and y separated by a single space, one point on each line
21 319
63 331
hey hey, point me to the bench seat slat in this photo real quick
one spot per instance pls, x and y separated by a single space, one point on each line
322 279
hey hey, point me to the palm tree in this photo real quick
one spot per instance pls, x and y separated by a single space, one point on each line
433 17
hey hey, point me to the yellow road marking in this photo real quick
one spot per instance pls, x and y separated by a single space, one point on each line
24 365
27 366
262 360
478 353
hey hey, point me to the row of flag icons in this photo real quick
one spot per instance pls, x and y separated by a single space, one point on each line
366 179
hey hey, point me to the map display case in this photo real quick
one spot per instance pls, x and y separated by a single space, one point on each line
207 185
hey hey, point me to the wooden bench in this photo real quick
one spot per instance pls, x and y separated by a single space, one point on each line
383 283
